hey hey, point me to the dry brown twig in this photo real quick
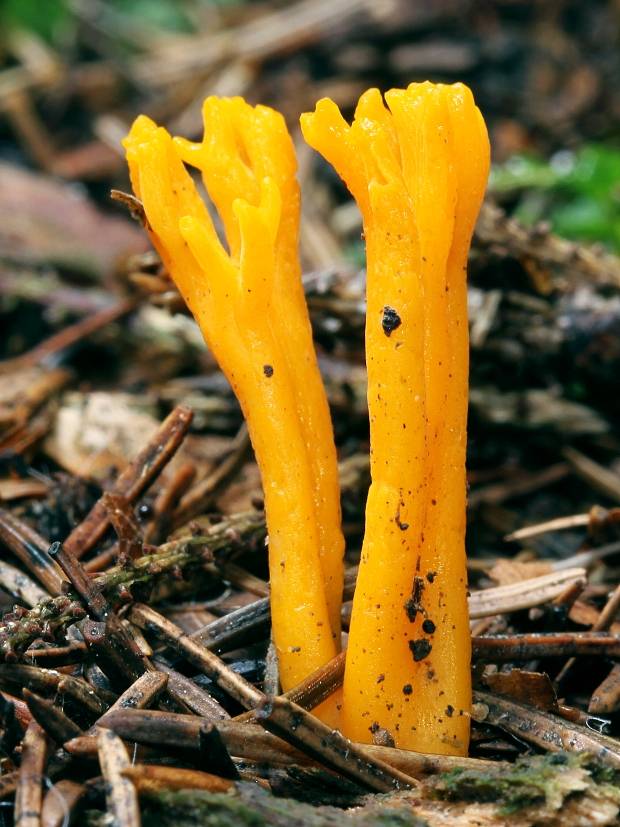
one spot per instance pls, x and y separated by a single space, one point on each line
134 480
29 791
121 795
539 249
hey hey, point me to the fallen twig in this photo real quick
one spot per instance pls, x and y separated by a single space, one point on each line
31 549
149 778
506 648
201 496
53 720
29 792
68 336
133 481
50 618
495 230
60 803
121 796
543 729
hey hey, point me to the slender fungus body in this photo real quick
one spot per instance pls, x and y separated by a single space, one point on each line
418 170
250 306
229 172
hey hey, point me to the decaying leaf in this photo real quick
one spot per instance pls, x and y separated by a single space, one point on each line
100 432
505 572
533 688
51 222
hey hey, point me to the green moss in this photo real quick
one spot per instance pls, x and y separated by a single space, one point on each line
577 192
541 780
253 806
187 808
603 774
544 784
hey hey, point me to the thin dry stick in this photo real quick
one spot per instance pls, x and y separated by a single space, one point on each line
138 638
114 643
329 746
49 680
141 693
133 481
29 793
523 595
19 629
320 684
242 579
605 699
53 720
231 534
201 496
250 742
235 628
312 691
315 688
121 795
152 778
174 730
507 648
609 613
31 549
586 558
83 693
237 687
558 524
16 583
605 619
31 677
167 501
289 721
190 696
59 803
599 477
570 594
68 336
70 653
546 731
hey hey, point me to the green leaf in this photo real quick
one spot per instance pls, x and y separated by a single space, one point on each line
578 193
47 22
167 15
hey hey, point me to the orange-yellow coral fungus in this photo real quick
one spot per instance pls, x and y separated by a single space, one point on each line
250 306
242 145
418 170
